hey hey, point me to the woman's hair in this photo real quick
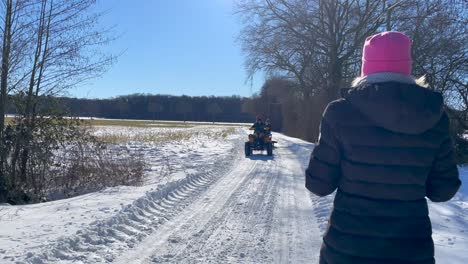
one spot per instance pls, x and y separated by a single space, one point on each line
421 81
388 77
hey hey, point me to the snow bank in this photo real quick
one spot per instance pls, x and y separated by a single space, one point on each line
25 230
450 225
449 219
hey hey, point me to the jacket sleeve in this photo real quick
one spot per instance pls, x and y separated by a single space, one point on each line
323 173
443 180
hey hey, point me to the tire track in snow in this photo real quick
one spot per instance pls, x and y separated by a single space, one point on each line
255 214
100 242
194 221
258 212
296 237
238 231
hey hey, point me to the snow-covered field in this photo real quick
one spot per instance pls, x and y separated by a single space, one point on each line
203 202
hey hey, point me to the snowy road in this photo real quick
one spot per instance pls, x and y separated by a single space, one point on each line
217 207
259 212
242 210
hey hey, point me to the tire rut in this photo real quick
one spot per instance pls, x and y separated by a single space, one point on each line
239 231
133 223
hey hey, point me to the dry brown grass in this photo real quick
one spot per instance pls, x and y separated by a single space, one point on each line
158 137
150 123
136 123
151 137
8 120
145 123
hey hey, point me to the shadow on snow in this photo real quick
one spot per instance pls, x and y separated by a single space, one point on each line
260 156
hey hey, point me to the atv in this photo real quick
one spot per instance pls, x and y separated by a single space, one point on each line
261 141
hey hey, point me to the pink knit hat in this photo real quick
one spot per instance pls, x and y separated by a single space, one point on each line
387 52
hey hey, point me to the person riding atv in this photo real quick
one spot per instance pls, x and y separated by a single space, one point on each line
258 127
260 139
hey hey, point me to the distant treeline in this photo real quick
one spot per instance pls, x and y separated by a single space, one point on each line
154 107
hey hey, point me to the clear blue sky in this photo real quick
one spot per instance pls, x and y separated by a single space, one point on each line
172 47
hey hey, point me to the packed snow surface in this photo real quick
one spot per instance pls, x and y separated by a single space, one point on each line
203 202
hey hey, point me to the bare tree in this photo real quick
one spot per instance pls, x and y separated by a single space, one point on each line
5 62
48 46
440 52
3 86
315 42
13 14
318 45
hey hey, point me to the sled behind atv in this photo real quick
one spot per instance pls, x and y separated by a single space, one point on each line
259 142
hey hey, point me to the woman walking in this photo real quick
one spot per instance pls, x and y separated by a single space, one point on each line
385 147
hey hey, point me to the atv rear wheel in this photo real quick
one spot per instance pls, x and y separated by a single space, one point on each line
248 149
269 148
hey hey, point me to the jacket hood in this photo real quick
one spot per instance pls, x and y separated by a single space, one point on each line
398 107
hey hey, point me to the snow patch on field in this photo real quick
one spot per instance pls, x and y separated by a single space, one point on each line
24 230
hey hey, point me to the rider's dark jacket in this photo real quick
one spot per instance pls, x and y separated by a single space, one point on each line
384 147
259 127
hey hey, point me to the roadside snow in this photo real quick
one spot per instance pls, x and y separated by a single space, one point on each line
24 230
202 202
450 225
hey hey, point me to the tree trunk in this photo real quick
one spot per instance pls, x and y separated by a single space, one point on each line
3 92
31 95
336 76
